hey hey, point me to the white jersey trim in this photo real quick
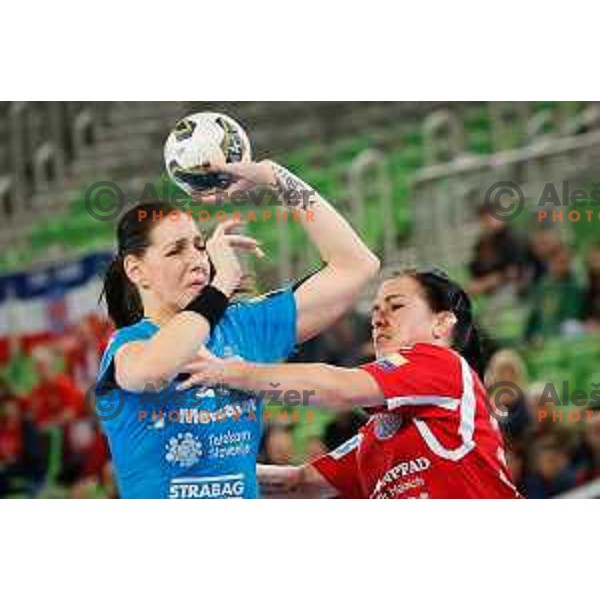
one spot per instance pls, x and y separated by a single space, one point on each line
346 448
467 422
441 402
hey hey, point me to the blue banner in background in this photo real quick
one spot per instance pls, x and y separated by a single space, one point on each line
52 281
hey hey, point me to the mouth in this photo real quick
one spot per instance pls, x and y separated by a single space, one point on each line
380 337
198 284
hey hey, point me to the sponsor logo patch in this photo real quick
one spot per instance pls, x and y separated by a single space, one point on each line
184 450
388 484
225 487
391 362
386 425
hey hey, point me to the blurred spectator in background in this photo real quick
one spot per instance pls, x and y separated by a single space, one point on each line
556 301
500 256
341 343
11 443
21 451
540 414
516 465
82 346
543 244
591 309
315 447
507 367
278 445
550 472
56 399
588 462
346 344
85 452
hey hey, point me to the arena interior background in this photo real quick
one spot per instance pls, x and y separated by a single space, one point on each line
411 176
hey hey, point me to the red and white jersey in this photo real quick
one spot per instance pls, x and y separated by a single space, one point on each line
433 439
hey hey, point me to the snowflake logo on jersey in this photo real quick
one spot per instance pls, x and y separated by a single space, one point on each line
386 425
184 450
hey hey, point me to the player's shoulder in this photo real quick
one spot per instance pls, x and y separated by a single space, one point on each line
421 353
257 310
261 300
419 370
143 329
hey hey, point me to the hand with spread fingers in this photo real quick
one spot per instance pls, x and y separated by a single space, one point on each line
221 249
207 369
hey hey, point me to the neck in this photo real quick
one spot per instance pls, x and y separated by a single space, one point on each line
159 315
382 353
155 309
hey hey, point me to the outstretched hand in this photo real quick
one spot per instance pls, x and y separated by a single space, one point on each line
278 482
207 369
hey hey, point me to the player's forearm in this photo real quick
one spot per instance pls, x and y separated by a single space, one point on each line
174 345
339 246
161 358
337 243
177 341
279 482
317 384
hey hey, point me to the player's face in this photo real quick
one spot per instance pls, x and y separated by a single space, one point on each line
401 316
176 265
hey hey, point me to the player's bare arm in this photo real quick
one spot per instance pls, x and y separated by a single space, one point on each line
349 264
329 386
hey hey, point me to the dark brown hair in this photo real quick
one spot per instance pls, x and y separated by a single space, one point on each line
133 238
442 294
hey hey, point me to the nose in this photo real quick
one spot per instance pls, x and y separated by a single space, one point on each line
198 260
378 319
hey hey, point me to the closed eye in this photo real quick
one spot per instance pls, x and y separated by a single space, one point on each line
175 250
199 244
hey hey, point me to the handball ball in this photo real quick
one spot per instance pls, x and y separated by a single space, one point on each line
202 138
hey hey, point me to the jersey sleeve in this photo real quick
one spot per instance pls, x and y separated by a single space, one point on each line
423 381
268 325
105 380
340 469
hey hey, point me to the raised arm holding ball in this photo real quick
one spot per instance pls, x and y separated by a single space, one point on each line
170 296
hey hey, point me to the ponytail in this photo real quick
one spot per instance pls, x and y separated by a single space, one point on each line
470 348
122 298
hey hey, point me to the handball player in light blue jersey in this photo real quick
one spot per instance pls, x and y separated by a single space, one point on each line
169 294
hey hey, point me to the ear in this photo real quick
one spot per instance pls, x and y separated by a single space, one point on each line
444 324
134 269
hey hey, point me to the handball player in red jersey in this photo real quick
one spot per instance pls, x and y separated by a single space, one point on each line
430 434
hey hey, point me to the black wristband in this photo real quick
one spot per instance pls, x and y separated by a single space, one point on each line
211 304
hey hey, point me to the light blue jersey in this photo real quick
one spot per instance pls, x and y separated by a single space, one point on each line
199 443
